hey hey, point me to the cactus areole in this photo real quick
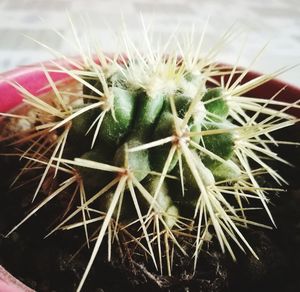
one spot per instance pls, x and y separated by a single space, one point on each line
161 150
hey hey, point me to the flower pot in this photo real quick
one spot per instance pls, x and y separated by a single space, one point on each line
33 79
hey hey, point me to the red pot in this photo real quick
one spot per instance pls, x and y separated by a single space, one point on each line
34 80
10 284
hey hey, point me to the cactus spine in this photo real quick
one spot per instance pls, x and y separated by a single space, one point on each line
156 146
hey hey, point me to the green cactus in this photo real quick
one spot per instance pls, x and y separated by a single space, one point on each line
161 146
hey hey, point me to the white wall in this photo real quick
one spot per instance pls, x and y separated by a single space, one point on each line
273 21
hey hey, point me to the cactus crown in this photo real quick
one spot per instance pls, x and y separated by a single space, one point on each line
156 146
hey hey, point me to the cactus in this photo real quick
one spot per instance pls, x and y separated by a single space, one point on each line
156 146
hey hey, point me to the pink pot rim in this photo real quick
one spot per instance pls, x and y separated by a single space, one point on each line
8 283
34 80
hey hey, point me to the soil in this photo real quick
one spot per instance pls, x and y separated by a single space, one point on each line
49 265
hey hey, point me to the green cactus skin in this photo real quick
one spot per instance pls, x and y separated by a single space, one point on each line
216 104
94 179
148 111
219 144
158 155
80 126
143 119
116 127
138 162
152 119
164 201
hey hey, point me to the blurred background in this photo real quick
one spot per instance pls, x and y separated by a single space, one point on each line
276 22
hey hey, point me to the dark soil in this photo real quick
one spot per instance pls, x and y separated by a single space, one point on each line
47 264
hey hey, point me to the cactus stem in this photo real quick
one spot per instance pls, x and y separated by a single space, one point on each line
206 151
204 194
163 175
